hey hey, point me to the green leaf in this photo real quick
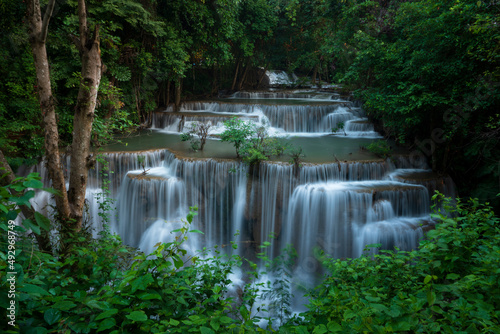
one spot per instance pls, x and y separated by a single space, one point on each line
215 323
177 262
64 305
148 296
431 297
106 324
142 282
36 330
206 330
33 183
196 231
427 279
42 221
107 314
24 199
320 329
51 316
29 225
32 289
174 322
452 276
97 304
334 327
137 316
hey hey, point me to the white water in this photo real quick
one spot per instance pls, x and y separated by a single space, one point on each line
337 207
282 119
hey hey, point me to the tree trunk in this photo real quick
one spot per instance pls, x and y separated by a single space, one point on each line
235 75
214 82
38 33
262 75
244 76
69 204
178 90
167 100
81 158
315 71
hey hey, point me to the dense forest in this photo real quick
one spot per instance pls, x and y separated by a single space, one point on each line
72 72
427 72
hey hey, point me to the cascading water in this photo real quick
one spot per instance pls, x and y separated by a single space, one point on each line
346 201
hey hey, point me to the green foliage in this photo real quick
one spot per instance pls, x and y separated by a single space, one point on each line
427 73
253 144
339 126
450 284
141 160
296 155
237 132
380 148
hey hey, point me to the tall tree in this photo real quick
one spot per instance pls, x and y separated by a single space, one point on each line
69 203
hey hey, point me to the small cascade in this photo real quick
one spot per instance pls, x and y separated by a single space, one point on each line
425 177
218 189
361 128
272 190
279 78
145 199
334 216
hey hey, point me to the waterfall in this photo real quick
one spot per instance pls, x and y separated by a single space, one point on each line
337 206
340 217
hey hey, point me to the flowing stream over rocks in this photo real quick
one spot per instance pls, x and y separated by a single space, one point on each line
339 200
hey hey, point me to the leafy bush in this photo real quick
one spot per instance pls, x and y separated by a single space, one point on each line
106 287
237 132
380 148
449 285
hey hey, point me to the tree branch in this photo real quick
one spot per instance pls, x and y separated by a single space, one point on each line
82 18
46 20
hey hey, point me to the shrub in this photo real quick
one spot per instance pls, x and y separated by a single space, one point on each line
237 132
380 148
449 285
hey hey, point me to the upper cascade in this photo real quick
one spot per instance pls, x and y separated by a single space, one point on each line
296 112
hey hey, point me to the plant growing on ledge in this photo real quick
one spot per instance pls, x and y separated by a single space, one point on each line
380 148
197 135
296 159
340 126
237 132
141 159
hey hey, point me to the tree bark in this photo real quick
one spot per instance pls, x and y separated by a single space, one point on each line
178 89
70 203
167 100
262 75
235 75
38 33
244 76
315 71
81 157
